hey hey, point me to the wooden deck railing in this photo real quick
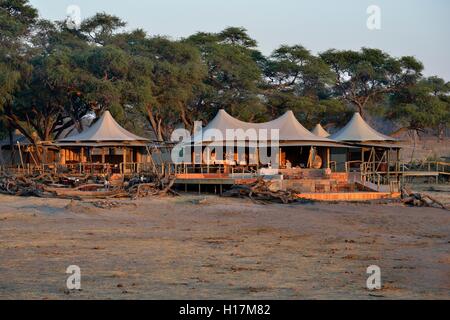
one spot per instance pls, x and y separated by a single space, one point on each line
365 168
428 166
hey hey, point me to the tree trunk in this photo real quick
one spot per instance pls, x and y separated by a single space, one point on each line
441 131
360 109
156 126
414 144
184 119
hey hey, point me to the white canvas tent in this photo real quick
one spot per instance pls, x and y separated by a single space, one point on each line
357 130
291 132
320 131
104 132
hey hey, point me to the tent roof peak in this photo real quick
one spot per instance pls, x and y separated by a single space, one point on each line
320 131
104 129
358 130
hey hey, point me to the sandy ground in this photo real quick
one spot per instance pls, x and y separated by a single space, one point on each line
221 248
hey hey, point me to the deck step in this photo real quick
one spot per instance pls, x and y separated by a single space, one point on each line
373 186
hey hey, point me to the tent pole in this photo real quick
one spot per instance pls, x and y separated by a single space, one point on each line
124 155
328 157
20 153
388 165
103 155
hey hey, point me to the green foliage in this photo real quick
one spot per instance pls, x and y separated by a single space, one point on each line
17 19
423 105
364 77
233 75
100 28
51 76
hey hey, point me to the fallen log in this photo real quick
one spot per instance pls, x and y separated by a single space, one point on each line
417 199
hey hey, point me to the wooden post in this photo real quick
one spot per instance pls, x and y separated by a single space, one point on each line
373 159
328 157
397 164
20 153
124 159
62 156
388 158
279 157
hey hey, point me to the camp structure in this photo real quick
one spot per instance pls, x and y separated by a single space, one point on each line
104 142
295 145
304 159
17 150
320 131
374 152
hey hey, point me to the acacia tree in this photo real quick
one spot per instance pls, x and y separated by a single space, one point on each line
424 105
234 74
364 77
70 77
17 19
100 28
174 76
51 76
440 90
297 80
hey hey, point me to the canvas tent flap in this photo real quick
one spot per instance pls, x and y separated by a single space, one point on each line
17 138
320 131
358 130
105 129
287 124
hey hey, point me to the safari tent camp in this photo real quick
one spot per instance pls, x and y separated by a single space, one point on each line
296 145
373 147
105 141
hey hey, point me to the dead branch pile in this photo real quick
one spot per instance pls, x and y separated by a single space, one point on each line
51 184
417 199
161 186
20 186
260 191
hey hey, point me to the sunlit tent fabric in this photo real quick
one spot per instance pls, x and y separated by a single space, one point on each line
320 131
290 129
357 130
104 131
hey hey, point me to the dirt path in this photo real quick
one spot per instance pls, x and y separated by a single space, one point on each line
221 248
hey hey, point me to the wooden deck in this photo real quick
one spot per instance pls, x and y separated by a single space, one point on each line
348 196
422 173
320 194
213 178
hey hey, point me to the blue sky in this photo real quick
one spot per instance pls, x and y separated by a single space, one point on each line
408 27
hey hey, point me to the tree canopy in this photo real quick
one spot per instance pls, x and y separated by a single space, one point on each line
52 76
